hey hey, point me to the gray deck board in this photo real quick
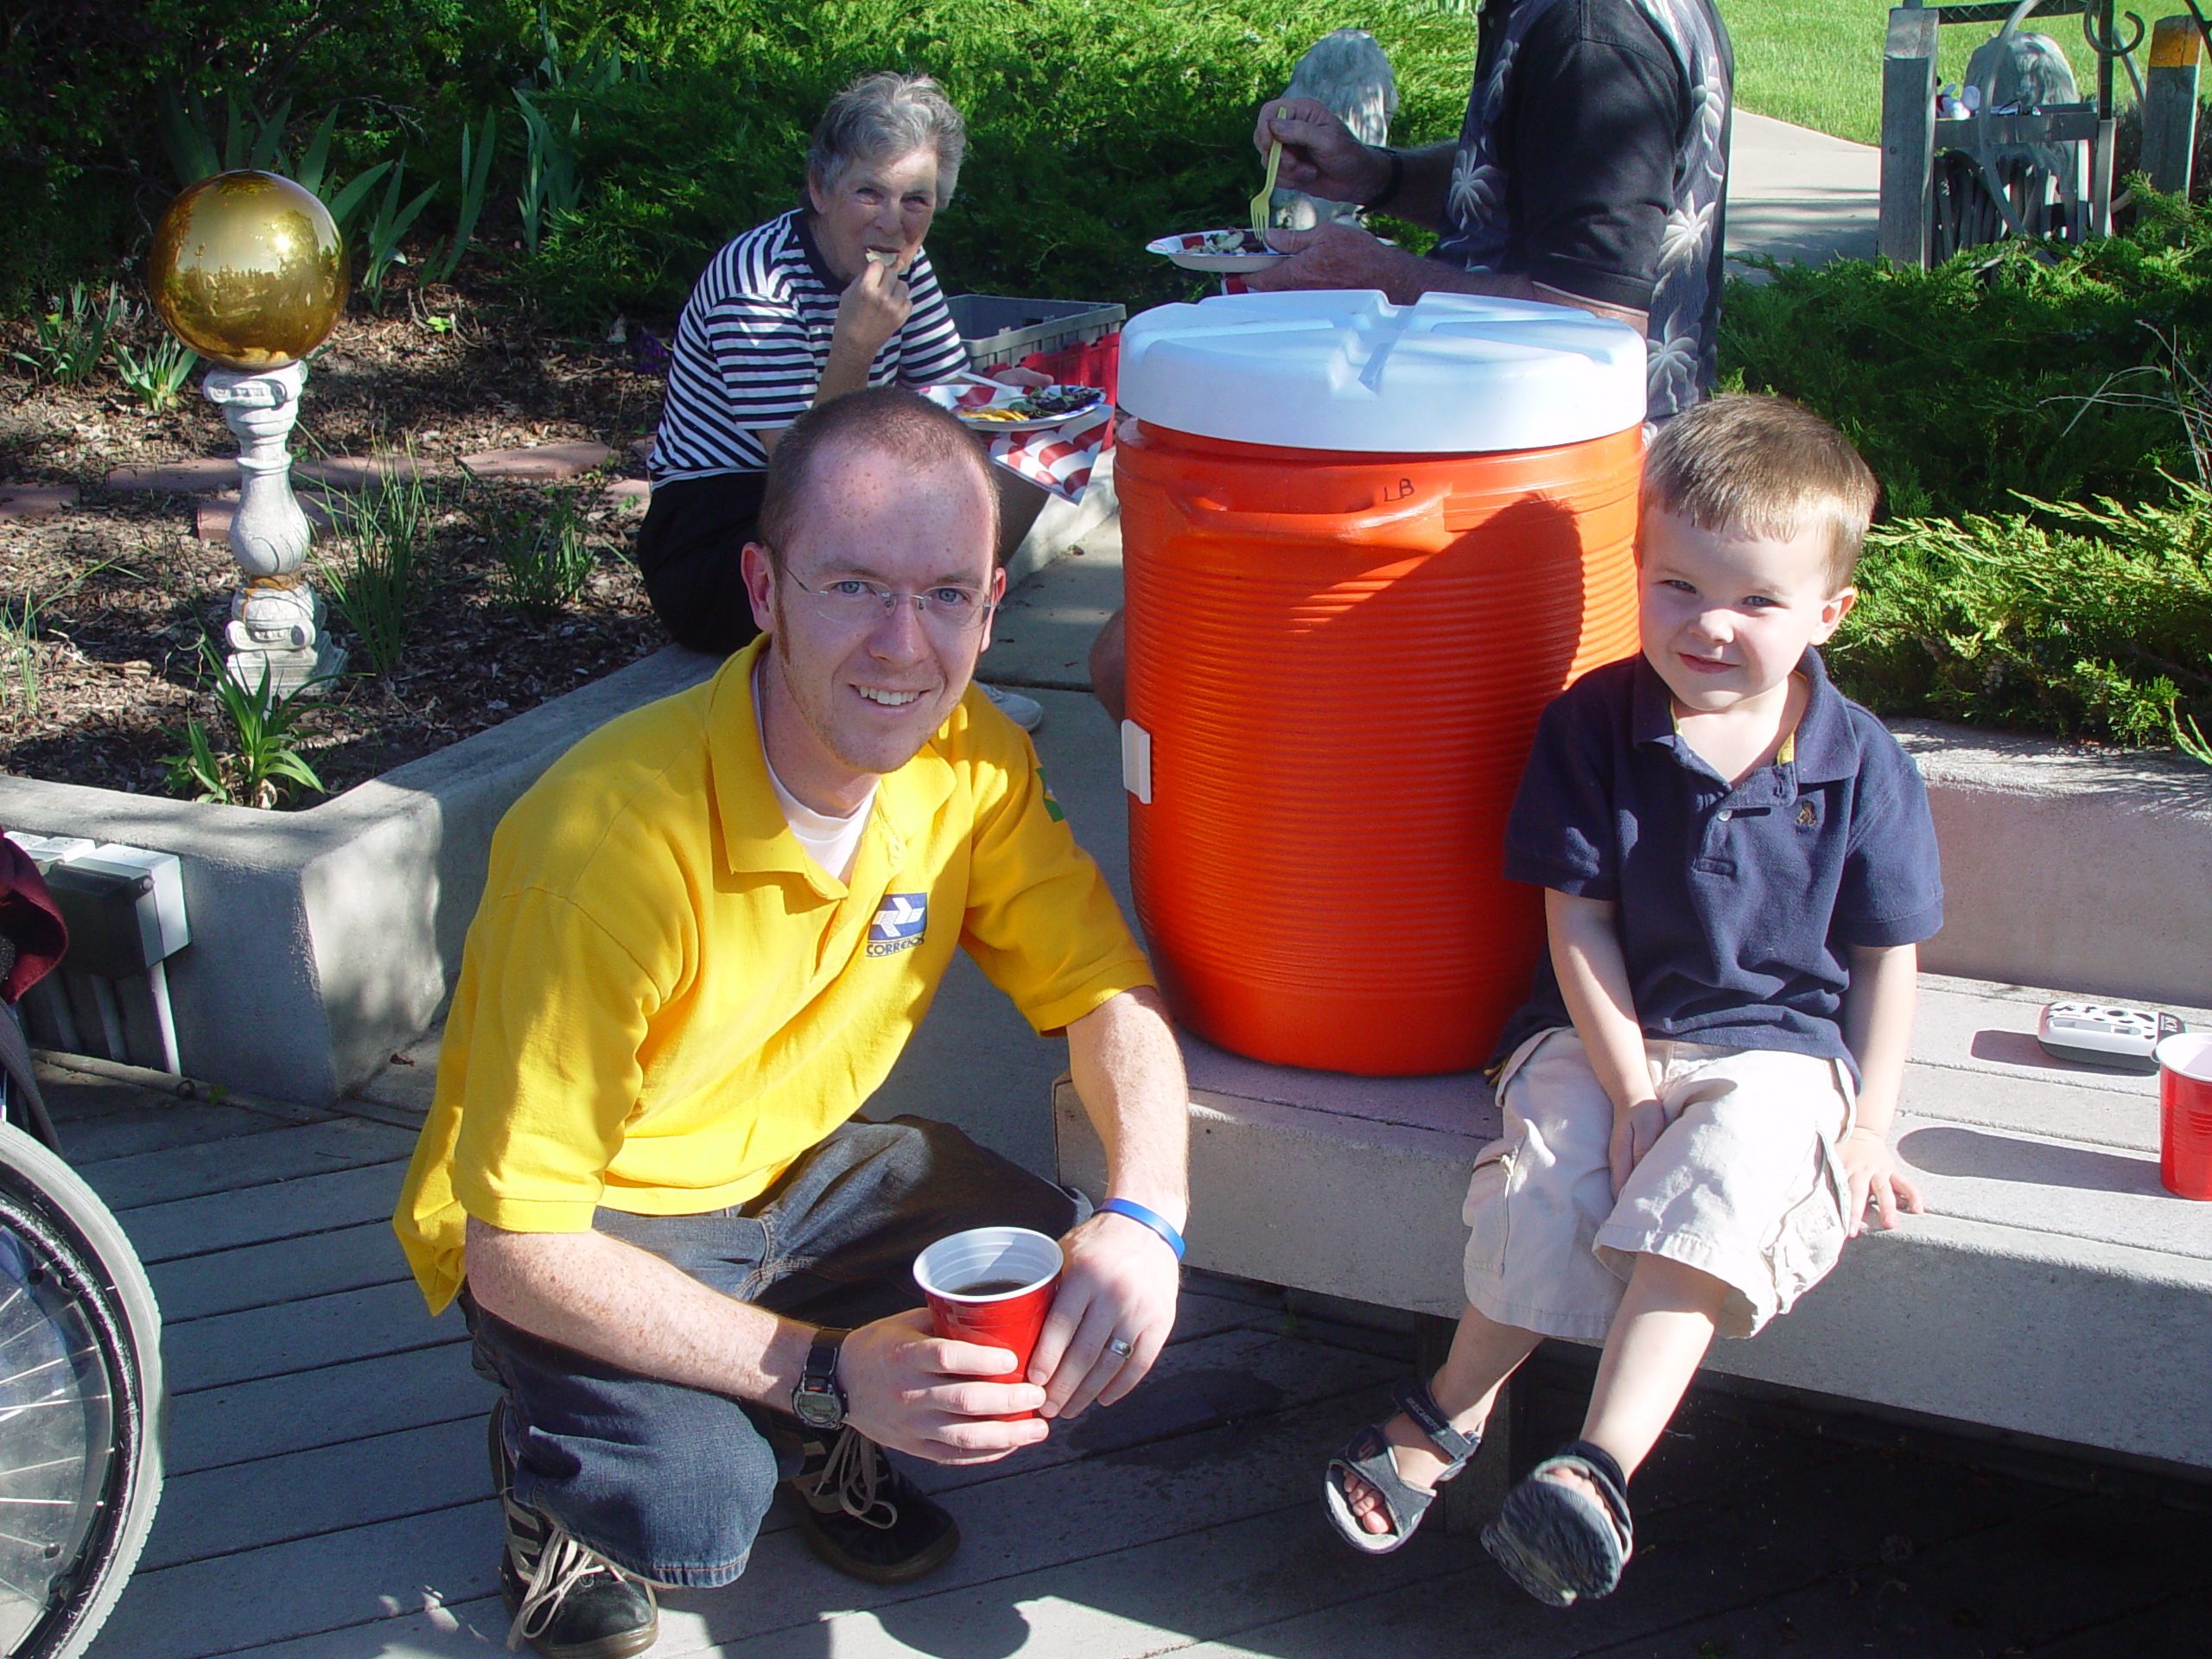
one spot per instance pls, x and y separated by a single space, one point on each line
225 1512
92 1140
1058 1515
266 1417
332 1582
283 1270
2174 1626
304 1335
280 1153
326 1495
1182 1489
2014 1584
427 1628
1156 1596
292 1209
275 1498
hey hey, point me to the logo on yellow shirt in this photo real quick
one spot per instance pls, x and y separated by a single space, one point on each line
901 921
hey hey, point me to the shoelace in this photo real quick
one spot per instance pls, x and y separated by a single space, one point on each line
852 1470
561 1565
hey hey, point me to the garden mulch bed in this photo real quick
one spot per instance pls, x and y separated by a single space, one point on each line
120 593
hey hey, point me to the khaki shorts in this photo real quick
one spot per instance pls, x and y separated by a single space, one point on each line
1742 1184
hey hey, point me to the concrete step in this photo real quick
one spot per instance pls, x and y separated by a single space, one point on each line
2054 1288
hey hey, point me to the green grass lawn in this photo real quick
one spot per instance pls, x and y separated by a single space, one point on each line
1818 63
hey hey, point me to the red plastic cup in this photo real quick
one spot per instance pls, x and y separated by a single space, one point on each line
2185 1115
992 1286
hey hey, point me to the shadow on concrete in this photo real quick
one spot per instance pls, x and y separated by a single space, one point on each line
1988 1157
988 1630
2020 1048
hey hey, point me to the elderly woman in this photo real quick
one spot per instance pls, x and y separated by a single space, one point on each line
824 299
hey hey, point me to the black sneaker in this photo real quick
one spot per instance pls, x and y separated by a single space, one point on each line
863 1517
566 1600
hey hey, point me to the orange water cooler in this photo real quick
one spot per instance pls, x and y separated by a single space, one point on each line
1363 545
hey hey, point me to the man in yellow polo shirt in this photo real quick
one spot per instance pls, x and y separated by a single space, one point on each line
706 934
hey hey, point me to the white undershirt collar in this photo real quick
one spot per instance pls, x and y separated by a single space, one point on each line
831 842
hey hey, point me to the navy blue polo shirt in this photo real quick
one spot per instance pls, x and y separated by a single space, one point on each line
1735 905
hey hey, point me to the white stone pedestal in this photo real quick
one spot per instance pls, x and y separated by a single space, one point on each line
276 625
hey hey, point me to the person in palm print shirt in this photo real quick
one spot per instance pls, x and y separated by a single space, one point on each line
1591 170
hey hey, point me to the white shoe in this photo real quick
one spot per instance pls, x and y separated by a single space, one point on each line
1025 712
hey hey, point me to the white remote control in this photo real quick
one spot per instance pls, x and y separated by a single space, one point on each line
2102 1033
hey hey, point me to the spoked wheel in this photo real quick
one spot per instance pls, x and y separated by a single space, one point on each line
81 1406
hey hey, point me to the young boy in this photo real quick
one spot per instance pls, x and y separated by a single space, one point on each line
1737 866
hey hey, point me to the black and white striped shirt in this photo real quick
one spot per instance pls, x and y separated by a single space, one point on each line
754 338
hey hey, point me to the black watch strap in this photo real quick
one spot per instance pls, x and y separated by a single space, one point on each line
818 1401
1388 194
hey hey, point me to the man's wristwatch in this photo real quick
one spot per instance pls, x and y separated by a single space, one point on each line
818 1401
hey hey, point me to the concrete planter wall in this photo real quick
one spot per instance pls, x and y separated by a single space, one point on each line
324 940
2082 872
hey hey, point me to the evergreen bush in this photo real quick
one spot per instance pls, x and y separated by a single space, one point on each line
1993 375
1092 128
2085 621
83 164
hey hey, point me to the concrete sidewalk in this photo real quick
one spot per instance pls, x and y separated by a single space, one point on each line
1797 194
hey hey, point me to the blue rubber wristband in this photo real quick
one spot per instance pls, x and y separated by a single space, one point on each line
1144 1217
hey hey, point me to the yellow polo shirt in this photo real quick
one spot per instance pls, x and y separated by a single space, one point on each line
664 1002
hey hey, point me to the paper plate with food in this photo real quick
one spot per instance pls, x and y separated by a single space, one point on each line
989 406
1217 251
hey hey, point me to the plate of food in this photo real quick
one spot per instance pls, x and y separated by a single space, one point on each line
989 406
1217 251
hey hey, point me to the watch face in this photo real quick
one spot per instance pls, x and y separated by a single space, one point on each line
818 1405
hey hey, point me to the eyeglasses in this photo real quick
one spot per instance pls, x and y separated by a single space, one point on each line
946 608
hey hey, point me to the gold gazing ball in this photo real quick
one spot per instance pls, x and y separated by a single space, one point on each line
249 269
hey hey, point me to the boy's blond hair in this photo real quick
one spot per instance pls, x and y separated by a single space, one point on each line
1765 466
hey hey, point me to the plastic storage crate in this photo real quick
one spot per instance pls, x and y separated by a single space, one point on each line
1077 342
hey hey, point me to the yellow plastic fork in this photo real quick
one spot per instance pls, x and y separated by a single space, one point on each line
1263 204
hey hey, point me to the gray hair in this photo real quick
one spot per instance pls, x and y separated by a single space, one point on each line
884 116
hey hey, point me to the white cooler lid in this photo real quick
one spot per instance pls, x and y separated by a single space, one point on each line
1345 369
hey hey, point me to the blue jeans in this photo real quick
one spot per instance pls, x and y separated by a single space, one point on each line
672 1482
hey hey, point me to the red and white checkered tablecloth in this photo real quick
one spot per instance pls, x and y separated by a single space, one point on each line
1058 459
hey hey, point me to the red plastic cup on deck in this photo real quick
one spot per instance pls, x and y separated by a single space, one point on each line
992 1286
2185 1115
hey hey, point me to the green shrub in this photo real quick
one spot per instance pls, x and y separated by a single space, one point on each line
1981 379
83 161
156 376
386 525
545 557
263 764
19 651
1092 128
69 340
2089 622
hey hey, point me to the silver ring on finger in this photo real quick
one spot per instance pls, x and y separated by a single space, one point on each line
1119 1346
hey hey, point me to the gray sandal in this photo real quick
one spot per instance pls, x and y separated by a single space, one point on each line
1557 1542
1366 1455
